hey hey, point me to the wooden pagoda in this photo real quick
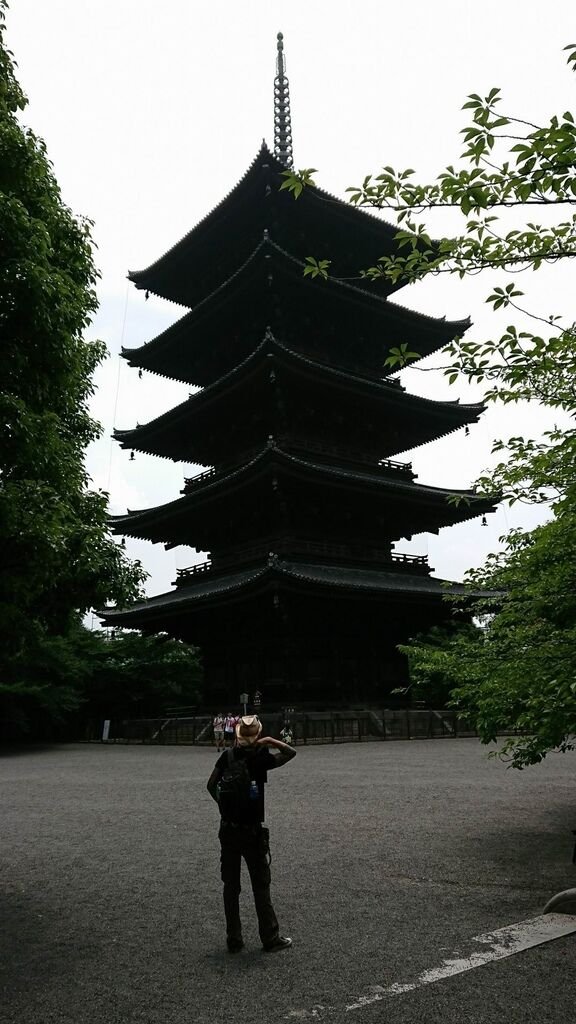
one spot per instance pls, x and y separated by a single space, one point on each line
297 424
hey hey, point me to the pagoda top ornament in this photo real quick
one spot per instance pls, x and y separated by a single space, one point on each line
282 122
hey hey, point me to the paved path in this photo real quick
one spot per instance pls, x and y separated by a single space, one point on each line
388 858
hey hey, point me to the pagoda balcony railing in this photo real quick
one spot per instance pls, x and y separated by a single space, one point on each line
340 453
295 549
347 454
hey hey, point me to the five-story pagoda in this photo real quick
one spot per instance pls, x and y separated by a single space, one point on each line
297 425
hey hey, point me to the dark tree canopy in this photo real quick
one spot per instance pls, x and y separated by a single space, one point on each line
134 676
57 558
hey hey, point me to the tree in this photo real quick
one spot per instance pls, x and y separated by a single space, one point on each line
131 675
57 556
115 674
516 670
519 669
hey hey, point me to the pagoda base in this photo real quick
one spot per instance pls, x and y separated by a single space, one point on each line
298 633
301 650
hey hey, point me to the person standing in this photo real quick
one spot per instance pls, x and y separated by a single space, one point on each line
218 726
229 726
286 734
237 785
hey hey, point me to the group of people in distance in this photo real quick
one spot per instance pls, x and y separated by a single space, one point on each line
224 728
237 785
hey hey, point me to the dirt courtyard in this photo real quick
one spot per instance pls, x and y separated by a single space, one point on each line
387 857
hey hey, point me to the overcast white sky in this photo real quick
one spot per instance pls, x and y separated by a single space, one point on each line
152 112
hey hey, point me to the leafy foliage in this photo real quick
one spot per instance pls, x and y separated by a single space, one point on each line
296 181
517 670
87 676
57 556
139 676
316 268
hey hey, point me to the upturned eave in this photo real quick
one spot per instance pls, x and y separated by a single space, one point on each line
183 350
275 575
432 508
166 434
182 275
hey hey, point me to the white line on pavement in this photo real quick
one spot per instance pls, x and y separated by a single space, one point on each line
497 945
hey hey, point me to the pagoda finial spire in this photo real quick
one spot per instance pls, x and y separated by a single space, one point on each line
282 122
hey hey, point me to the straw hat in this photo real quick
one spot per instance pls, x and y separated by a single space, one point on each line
248 730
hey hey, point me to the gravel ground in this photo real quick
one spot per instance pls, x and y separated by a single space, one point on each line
387 857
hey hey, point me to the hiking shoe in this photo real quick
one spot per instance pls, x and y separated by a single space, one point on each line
278 944
235 946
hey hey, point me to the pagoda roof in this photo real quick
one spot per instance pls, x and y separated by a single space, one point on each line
316 223
419 507
222 328
275 575
183 433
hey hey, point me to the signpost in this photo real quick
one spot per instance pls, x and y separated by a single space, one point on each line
244 700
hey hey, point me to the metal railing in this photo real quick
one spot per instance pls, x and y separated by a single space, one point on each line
344 726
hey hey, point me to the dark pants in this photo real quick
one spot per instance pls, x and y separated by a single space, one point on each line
251 843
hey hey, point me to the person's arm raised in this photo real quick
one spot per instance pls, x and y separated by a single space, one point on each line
285 751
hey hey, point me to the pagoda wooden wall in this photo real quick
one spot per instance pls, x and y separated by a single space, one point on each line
312 650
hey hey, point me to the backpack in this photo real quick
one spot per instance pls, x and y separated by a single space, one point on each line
234 788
